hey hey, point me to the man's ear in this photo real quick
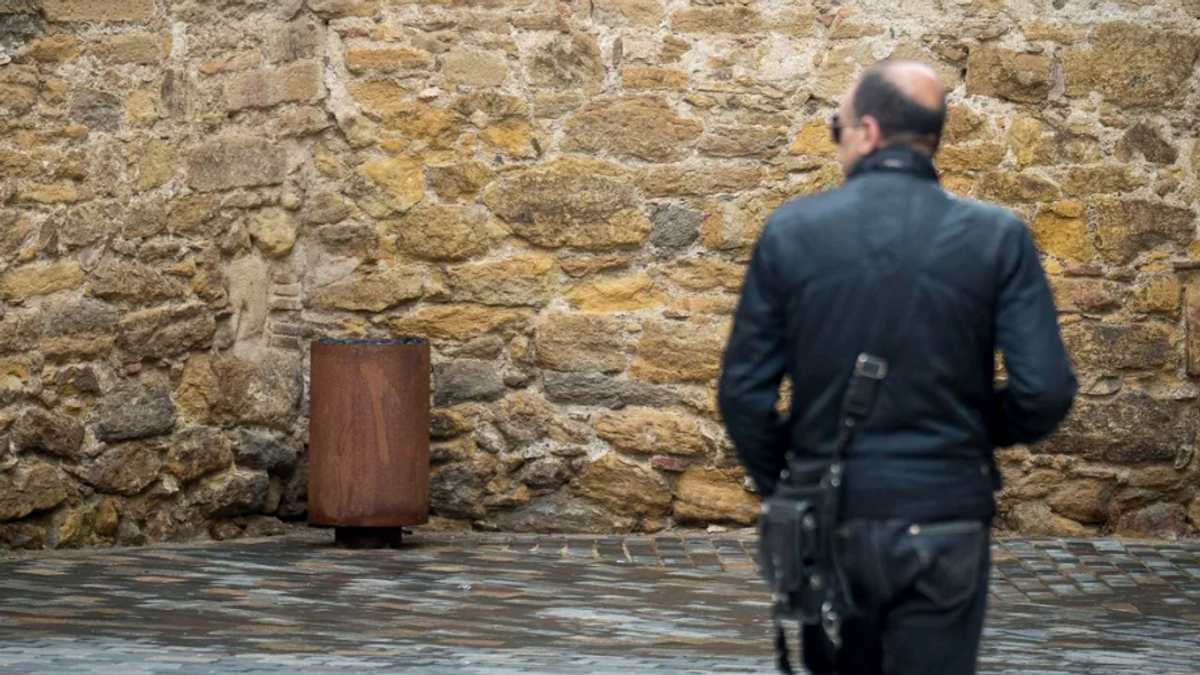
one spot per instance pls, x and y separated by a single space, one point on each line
872 134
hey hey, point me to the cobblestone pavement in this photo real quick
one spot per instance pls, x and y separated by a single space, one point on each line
501 605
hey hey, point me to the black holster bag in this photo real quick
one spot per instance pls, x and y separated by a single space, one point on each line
798 523
796 531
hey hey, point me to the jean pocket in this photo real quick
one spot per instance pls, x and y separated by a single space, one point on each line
950 555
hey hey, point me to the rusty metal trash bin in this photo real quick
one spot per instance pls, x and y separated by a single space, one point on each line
369 439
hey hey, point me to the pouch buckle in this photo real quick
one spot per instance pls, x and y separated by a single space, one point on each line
871 366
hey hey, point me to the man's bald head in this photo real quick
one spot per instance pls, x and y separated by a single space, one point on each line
893 103
916 81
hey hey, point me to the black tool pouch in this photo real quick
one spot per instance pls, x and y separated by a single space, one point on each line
797 554
791 540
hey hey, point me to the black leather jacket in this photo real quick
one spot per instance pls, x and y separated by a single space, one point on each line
925 452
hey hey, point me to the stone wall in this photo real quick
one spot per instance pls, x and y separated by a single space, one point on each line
561 197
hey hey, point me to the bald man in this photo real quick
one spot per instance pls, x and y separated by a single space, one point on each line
884 302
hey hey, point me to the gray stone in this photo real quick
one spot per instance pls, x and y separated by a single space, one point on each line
199 451
445 424
293 500
467 380
261 450
96 110
231 493
674 227
545 474
166 331
489 439
82 378
91 223
348 239
43 431
1129 428
600 389
561 513
132 282
125 469
1156 520
1144 139
32 486
220 390
22 535
300 39
20 21
325 208
236 161
145 219
456 491
131 411
80 316
20 330
20 6
129 534
265 526
568 63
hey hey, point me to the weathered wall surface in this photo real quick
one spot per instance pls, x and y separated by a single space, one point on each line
561 197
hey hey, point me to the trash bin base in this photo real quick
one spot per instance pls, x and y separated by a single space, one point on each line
368 537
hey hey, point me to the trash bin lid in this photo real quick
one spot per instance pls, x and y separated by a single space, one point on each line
397 341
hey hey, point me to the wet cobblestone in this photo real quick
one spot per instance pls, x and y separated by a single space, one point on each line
497 605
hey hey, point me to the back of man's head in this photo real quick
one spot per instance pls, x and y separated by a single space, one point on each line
907 101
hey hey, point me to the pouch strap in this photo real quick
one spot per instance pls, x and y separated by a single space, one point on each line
783 655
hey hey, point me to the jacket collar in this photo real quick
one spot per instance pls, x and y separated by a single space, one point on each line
897 159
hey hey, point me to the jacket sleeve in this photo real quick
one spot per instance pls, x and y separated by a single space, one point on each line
753 367
1041 384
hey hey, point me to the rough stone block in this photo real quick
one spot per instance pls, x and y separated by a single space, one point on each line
140 48
40 279
672 351
125 469
475 68
1126 228
651 432
718 20
374 292
617 294
624 487
386 60
1061 229
33 486
443 233
1086 295
603 127
1010 75
571 204
1113 347
266 88
1132 65
164 332
235 161
698 180
528 279
460 322
711 495
48 432
197 452
568 63
579 342
222 390
131 411
100 11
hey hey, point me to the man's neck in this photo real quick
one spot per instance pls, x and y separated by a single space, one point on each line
896 159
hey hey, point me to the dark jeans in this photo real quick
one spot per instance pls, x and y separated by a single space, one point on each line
921 593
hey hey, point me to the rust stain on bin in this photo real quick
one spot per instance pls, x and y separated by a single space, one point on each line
369 434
